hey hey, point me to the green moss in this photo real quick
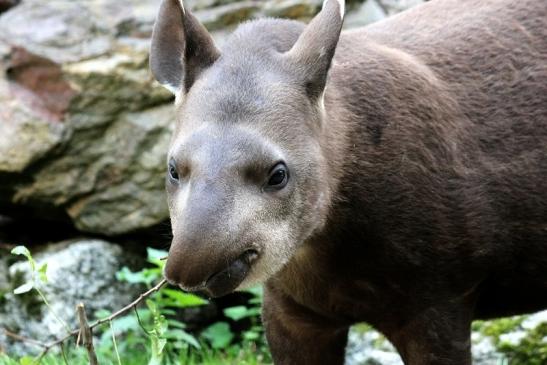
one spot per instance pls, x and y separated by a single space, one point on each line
531 350
498 327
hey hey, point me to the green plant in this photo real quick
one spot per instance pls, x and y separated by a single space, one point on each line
38 276
530 350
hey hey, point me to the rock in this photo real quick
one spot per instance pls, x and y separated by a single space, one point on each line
72 123
368 347
229 14
4 283
293 9
484 351
113 181
60 31
392 7
77 271
369 12
28 133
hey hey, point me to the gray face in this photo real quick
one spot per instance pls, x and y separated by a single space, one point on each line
247 182
242 182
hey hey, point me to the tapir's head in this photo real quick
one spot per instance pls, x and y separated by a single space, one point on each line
247 179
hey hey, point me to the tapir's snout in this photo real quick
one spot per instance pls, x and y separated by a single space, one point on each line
209 252
214 276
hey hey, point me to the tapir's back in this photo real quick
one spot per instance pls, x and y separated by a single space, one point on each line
492 55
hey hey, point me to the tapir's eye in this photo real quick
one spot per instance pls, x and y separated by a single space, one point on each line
279 177
173 174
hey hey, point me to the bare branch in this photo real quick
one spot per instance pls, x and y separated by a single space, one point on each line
20 338
131 305
86 335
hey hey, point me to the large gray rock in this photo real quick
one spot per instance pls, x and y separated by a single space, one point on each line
81 271
85 128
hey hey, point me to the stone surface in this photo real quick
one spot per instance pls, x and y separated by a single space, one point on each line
368 12
78 271
27 132
4 283
396 6
61 31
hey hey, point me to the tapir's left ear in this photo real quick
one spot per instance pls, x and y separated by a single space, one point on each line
312 53
181 47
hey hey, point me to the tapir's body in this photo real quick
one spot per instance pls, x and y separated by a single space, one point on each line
443 194
431 188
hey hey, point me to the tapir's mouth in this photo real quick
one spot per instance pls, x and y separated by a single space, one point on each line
228 279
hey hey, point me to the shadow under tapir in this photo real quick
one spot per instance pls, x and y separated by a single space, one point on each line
394 174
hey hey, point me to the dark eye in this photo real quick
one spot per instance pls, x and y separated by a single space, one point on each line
173 174
278 177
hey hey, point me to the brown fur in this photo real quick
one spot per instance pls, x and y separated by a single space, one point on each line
433 159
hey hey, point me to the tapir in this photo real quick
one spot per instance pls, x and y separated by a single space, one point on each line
394 174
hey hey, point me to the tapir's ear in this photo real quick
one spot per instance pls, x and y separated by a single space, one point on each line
313 51
181 47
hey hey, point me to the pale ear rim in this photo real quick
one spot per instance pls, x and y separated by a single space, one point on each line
181 3
341 6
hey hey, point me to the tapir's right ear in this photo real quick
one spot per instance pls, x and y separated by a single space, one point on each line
181 47
312 53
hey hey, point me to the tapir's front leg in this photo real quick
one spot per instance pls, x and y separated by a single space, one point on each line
298 336
439 335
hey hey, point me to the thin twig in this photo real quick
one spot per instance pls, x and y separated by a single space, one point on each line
62 345
115 344
87 336
131 305
24 339
146 332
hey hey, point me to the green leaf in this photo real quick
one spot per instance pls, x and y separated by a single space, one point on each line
155 256
131 277
183 300
251 335
152 306
42 272
181 335
257 291
218 334
239 312
22 250
161 345
176 324
236 313
25 288
27 360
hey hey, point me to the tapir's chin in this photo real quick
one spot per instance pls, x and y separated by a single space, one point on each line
226 280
